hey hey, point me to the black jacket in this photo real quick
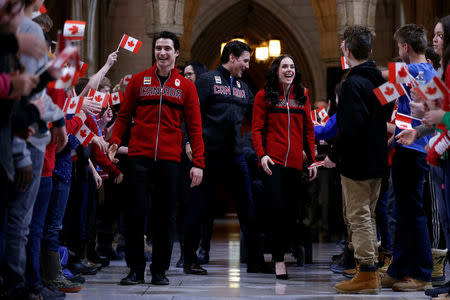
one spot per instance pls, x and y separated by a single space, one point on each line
362 137
223 106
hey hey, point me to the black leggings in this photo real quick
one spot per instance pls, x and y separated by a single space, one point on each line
283 191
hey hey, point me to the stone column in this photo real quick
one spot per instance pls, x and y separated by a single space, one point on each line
356 12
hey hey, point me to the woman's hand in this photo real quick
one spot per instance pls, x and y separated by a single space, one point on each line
433 117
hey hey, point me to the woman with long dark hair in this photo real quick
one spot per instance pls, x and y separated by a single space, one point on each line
281 131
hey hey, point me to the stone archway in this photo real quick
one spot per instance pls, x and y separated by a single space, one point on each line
257 22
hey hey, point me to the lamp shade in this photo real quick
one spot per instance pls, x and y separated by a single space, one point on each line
261 53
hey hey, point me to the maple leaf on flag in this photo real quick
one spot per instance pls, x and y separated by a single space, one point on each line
130 43
402 73
389 91
83 133
115 98
66 77
73 103
98 98
431 91
74 29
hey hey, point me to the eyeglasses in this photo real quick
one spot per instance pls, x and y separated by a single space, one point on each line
189 74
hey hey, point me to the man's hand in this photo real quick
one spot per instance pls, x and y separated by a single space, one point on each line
91 107
312 174
59 137
32 45
406 137
118 179
112 150
328 163
265 160
433 117
23 84
100 142
189 151
112 58
196 175
23 177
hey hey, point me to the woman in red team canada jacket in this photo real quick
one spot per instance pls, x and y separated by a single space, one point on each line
281 130
157 99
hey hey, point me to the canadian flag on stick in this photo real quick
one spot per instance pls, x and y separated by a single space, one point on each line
69 78
434 89
84 135
116 98
73 105
344 63
314 117
99 97
67 54
398 73
125 80
388 92
404 121
130 43
323 115
317 164
74 30
83 69
42 10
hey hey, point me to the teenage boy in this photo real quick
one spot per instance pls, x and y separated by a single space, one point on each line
412 259
362 156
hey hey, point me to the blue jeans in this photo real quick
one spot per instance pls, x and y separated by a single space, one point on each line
36 229
438 176
55 213
383 210
20 211
412 249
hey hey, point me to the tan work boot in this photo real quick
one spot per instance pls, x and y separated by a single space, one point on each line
385 260
387 281
411 285
439 259
361 283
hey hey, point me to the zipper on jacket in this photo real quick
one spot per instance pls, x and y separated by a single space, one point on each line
159 112
289 127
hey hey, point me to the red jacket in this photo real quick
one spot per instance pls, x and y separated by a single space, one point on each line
157 117
284 129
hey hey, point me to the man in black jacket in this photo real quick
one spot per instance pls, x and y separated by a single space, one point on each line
224 101
362 156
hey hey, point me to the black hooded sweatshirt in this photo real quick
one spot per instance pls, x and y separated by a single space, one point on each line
362 135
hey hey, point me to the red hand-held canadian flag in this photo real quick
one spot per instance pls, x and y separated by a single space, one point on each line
317 164
130 43
399 73
314 117
388 92
99 97
125 80
323 115
69 78
116 98
42 10
84 135
344 63
73 105
403 121
434 89
68 53
83 69
74 30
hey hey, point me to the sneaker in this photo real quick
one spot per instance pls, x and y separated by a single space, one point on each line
445 289
411 285
361 283
64 285
439 260
387 281
349 273
51 293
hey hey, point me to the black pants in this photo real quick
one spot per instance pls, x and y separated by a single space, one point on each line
158 181
200 208
283 190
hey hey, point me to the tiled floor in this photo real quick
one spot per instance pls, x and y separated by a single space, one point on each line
228 279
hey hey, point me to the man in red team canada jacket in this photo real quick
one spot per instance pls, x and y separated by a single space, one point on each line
156 99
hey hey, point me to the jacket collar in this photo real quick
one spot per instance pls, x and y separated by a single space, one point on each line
172 71
225 73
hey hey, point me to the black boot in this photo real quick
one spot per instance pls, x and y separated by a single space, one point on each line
136 276
92 256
